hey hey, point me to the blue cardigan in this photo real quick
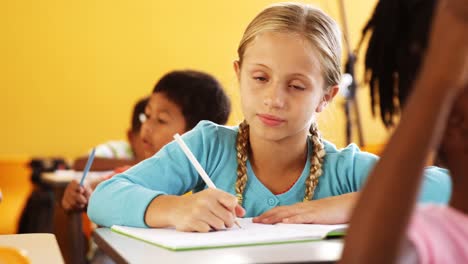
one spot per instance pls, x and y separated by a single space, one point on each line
123 199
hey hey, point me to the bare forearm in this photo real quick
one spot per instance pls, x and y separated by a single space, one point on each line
391 190
158 212
388 198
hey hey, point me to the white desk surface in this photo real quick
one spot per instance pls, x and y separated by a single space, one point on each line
128 250
40 248
66 176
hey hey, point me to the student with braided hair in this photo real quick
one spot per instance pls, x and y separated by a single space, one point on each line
274 166
395 230
315 171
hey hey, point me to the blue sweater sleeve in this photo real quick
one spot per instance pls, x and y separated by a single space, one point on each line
350 167
436 186
345 170
123 199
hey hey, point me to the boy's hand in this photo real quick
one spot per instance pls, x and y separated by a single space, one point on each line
93 183
206 210
76 197
331 210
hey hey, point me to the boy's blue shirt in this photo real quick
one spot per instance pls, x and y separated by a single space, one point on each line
123 199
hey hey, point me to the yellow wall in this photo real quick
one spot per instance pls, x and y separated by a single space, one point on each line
70 71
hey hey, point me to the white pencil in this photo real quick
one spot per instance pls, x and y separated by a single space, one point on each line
197 165
194 161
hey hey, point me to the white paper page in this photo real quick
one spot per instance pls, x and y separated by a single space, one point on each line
315 229
250 233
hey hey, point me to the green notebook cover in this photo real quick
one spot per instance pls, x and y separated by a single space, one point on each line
249 235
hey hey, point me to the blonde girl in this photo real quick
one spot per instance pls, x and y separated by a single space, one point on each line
274 166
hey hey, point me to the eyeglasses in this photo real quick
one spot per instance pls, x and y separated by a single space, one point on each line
142 117
144 120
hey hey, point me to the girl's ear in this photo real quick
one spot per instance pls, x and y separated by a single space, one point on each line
237 69
327 97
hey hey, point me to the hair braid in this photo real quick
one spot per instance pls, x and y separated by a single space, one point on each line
316 161
242 147
398 32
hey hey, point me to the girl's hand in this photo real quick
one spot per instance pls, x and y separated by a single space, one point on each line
331 210
205 210
76 197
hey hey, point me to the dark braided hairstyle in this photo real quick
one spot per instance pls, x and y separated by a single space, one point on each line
399 31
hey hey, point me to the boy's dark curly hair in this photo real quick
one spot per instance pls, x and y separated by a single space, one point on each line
199 95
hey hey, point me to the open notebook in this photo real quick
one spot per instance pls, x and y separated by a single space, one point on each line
250 234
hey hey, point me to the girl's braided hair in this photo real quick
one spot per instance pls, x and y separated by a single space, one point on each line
243 149
323 33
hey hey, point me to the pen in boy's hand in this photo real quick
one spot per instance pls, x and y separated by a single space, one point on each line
88 166
197 166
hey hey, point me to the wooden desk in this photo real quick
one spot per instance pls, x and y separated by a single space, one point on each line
124 249
40 248
68 225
